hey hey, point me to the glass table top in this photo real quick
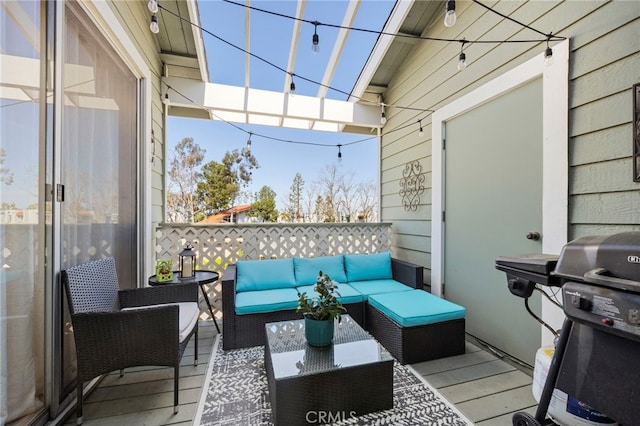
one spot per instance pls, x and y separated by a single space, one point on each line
291 355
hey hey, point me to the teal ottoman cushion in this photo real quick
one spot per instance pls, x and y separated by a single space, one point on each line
417 307
264 274
307 268
369 287
347 293
361 267
253 302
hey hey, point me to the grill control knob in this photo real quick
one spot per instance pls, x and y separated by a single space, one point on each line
607 321
581 303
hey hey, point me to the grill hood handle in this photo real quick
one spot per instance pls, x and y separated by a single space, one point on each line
597 276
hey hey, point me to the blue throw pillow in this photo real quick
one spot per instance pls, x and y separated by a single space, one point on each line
361 267
252 275
306 269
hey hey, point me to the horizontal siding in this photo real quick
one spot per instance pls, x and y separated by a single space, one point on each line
604 63
134 16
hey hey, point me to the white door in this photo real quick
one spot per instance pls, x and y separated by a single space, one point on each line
492 199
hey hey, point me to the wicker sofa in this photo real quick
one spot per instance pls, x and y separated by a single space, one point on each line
256 292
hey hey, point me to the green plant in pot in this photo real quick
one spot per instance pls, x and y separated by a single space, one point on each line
320 311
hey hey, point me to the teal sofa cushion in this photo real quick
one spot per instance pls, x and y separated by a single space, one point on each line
417 307
361 267
370 287
270 274
261 301
347 293
306 269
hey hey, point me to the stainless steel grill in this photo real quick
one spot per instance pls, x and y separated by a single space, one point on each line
598 351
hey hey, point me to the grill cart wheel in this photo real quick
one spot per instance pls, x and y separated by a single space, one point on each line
524 419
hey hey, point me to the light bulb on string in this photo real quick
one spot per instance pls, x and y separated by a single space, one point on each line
462 59
292 87
249 142
154 24
339 152
548 53
165 99
315 46
153 6
450 16
420 132
383 116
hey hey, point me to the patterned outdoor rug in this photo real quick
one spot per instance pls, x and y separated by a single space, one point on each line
235 393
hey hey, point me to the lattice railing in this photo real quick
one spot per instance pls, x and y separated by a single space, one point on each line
217 246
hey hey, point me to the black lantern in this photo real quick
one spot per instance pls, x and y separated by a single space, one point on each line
187 262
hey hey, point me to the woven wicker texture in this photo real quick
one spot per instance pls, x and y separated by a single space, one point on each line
108 339
243 331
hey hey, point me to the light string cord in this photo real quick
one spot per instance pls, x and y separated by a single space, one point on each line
292 74
365 30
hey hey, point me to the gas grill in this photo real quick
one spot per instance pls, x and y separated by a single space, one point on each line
597 356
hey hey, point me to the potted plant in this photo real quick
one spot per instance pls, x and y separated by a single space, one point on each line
320 311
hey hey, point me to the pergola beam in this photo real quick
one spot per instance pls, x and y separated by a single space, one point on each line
254 106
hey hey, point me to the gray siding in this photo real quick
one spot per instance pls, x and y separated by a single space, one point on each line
134 16
604 63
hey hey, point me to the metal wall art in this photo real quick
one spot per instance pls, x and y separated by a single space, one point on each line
636 132
411 185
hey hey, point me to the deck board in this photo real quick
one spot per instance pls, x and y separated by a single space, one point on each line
484 387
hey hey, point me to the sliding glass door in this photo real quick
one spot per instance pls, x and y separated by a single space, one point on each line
99 158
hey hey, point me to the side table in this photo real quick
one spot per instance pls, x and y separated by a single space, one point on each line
203 277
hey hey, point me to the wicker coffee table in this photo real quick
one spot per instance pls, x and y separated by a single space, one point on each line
352 377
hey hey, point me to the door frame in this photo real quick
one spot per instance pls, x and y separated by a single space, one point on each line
555 156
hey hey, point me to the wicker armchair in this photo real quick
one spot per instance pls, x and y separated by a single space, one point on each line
115 329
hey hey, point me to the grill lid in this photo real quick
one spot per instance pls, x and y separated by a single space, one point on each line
615 256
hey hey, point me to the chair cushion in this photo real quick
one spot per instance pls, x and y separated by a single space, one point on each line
361 267
252 275
347 293
370 287
261 301
187 318
416 307
306 269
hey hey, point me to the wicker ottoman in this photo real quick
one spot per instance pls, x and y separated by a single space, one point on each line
416 326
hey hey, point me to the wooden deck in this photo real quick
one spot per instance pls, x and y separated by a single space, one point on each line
484 387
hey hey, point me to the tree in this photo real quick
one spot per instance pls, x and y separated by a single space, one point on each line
6 176
264 206
182 202
222 182
294 206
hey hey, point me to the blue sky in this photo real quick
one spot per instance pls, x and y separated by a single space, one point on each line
270 38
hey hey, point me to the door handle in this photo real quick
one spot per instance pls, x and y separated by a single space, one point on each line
535 236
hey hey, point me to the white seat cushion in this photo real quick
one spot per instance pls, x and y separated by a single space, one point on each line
188 317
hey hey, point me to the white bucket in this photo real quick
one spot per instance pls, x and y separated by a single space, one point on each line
563 409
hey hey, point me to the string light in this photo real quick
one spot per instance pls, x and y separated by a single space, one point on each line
383 116
462 59
420 132
315 46
292 86
249 142
450 16
153 6
165 99
418 37
339 152
548 53
154 24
